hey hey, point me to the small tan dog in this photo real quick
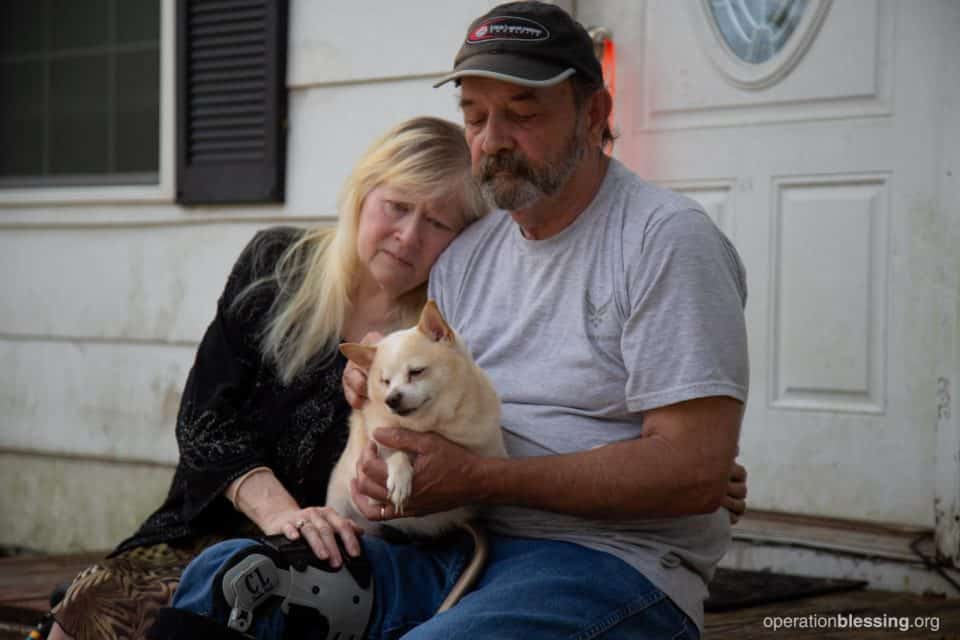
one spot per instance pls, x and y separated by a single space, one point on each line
422 379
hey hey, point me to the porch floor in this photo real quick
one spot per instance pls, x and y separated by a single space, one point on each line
26 583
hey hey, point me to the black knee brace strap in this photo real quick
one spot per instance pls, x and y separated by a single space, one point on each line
178 624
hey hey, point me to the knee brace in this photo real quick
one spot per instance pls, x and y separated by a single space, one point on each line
334 603
319 602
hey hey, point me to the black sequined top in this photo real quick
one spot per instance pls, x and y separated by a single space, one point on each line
235 414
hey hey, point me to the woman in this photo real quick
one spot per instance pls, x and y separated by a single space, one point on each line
262 417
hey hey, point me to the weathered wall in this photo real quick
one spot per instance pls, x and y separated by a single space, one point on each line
104 298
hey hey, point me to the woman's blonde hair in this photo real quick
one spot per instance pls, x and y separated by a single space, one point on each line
427 158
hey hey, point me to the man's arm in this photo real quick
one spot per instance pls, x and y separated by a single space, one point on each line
680 466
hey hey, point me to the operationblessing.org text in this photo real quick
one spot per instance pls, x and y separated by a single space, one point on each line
853 621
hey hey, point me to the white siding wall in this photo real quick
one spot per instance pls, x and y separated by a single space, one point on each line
103 299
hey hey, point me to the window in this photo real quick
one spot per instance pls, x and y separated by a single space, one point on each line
80 87
756 30
756 43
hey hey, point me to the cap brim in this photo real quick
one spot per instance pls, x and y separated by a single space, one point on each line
520 70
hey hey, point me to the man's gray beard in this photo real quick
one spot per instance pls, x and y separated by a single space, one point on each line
513 193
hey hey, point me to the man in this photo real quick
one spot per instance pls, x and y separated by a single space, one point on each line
608 314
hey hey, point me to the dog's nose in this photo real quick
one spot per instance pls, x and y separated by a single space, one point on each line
395 400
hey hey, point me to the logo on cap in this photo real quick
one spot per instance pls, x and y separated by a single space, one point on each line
508 28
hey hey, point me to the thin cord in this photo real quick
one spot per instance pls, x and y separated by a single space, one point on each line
930 563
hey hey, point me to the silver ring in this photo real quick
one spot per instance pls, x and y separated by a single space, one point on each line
300 524
383 512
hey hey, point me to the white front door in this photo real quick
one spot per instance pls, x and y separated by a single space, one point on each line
822 162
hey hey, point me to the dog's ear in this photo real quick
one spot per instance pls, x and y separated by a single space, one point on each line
359 354
433 325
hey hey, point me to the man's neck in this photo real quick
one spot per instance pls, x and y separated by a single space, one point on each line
552 214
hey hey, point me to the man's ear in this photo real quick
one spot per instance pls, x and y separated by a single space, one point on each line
599 109
359 354
433 325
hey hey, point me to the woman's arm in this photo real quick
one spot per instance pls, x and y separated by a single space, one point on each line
218 441
262 497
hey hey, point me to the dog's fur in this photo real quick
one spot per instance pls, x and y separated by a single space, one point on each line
422 379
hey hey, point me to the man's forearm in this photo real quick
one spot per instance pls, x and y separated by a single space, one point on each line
679 467
620 481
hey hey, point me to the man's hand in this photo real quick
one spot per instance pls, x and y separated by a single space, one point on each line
443 475
736 499
355 378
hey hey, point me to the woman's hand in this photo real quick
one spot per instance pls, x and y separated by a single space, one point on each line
736 499
355 378
318 526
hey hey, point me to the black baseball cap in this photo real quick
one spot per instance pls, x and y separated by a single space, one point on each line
533 44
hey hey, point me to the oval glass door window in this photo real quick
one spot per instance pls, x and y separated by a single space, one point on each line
756 30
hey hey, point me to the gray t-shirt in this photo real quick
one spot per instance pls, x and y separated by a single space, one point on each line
637 304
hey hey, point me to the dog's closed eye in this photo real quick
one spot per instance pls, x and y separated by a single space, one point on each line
413 372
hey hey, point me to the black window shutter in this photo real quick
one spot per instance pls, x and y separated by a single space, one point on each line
231 100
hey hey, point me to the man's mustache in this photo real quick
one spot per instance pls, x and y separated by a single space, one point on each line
505 161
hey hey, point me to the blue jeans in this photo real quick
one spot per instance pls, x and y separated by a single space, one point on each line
530 589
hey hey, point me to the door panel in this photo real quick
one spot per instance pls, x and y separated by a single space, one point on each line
824 175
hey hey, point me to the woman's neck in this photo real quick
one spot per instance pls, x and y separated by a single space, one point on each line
371 309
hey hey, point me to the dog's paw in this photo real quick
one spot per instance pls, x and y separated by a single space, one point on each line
399 486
